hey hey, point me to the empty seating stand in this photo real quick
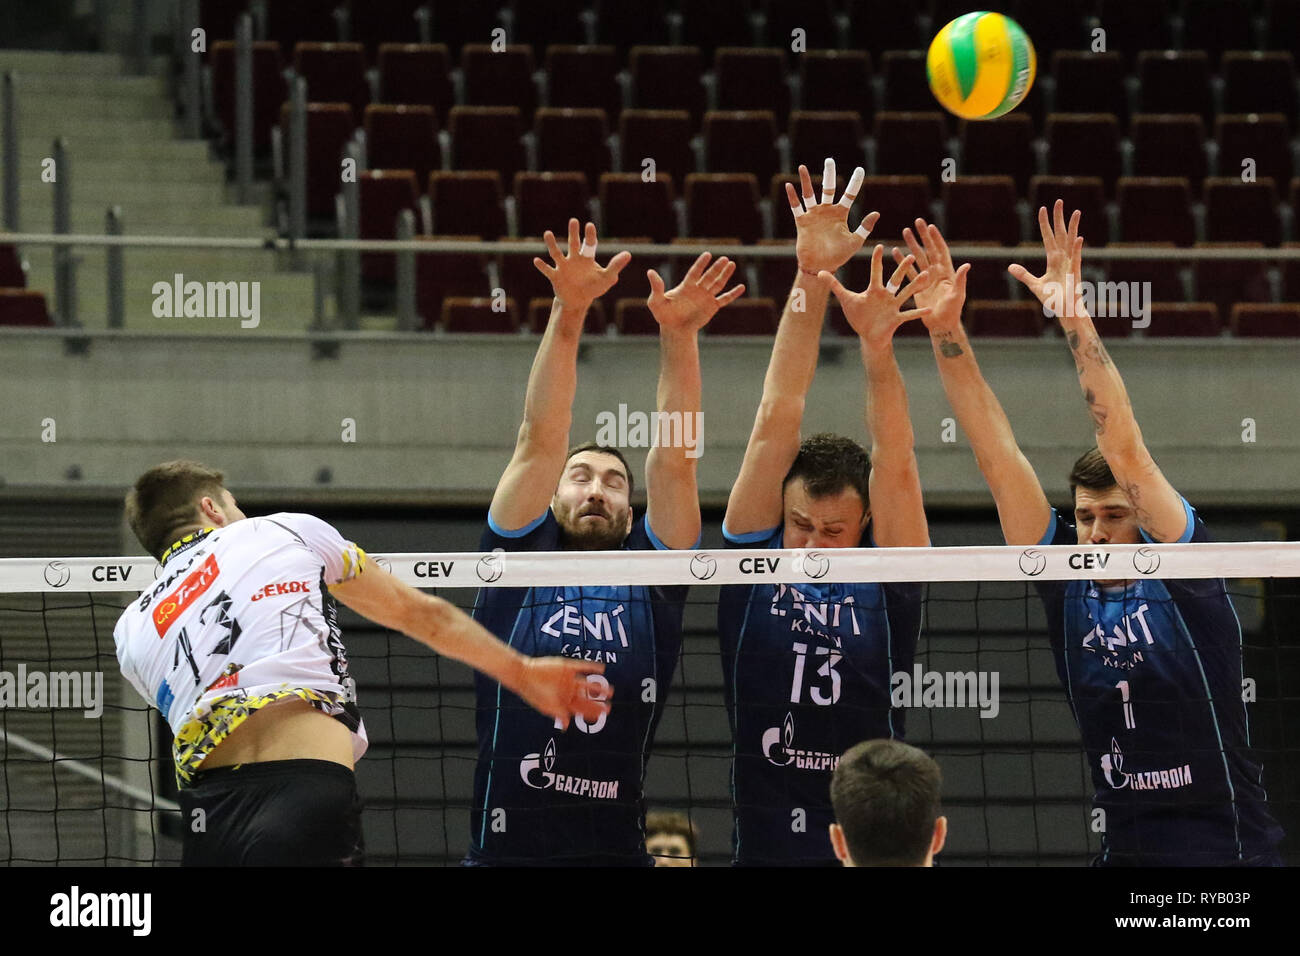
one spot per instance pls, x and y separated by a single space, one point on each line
441 275
467 203
479 315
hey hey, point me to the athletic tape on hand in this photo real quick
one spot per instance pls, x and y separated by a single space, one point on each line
828 181
588 251
890 287
862 230
855 183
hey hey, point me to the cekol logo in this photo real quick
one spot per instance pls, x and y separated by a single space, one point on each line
536 770
175 604
282 587
779 749
1112 765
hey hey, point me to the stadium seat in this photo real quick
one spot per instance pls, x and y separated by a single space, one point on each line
1242 212
1227 281
12 275
1084 193
1133 26
457 23
633 317
23 307
548 200
467 203
911 143
775 274
752 79
495 77
573 139
1084 144
1219 26
988 278
1161 276
269 91
1089 82
723 203
632 207
402 137
815 135
905 86
1179 319
718 23
303 21
745 316
741 142
837 80
668 78
477 315
1253 320
1257 82
999 147
816 18
440 275
543 24
329 127
879 25
1172 81
632 282
584 77
1262 138
1155 210
390 22
335 73
383 194
898 199
661 135
417 74
981 207
515 270
1169 145
487 137
625 25
539 315
984 318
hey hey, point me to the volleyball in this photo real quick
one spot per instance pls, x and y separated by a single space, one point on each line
980 65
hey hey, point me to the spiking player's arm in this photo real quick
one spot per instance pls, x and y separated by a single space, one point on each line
555 686
1156 505
673 506
525 489
823 242
1023 509
897 511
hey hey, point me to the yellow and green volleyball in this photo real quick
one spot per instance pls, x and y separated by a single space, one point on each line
980 65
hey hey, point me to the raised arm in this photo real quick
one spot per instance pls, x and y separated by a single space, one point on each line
1156 505
555 686
673 506
897 511
823 243
1023 509
525 489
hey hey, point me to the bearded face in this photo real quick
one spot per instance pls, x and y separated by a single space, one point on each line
591 503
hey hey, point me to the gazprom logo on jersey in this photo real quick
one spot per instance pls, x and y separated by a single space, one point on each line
1112 769
779 749
537 770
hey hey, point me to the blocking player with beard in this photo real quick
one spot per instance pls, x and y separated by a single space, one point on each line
544 795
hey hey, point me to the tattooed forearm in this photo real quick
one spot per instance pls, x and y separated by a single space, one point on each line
948 348
1134 493
1097 411
1073 339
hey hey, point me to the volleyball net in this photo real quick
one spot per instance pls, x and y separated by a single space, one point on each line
85 765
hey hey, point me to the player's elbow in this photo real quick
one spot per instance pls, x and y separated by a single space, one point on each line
779 413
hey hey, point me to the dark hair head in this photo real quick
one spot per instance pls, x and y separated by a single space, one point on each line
604 449
885 794
830 463
672 824
1091 472
165 501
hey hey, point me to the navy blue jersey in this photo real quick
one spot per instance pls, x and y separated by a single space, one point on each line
806 671
1153 675
547 796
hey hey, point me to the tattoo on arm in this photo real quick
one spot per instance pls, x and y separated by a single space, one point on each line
1098 412
1073 339
947 347
1134 493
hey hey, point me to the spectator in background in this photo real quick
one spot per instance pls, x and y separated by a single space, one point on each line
670 838
885 794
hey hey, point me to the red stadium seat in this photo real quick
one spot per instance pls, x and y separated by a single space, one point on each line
1084 144
668 78
1178 320
402 137
269 91
898 199
911 144
745 316
752 79
906 88
775 274
467 203
384 193
1266 321
487 137
633 317
440 275
718 203
515 269
1255 82
495 77
814 135
986 318
335 73
1084 193
1156 210
999 147
1163 275
1242 212
539 316
573 140
1229 281
1089 82
329 127
584 77
416 73
479 315
981 207
837 80
741 142
1219 26
632 282
549 200
23 307
1169 145
1262 139
632 207
12 275
1172 81
661 135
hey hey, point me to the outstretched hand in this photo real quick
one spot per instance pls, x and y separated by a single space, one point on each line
876 313
697 298
823 239
946 293
575 277
558 687
1058 288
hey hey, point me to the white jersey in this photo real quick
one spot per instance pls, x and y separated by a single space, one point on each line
240 618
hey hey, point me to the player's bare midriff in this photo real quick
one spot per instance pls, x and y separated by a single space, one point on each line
285 730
